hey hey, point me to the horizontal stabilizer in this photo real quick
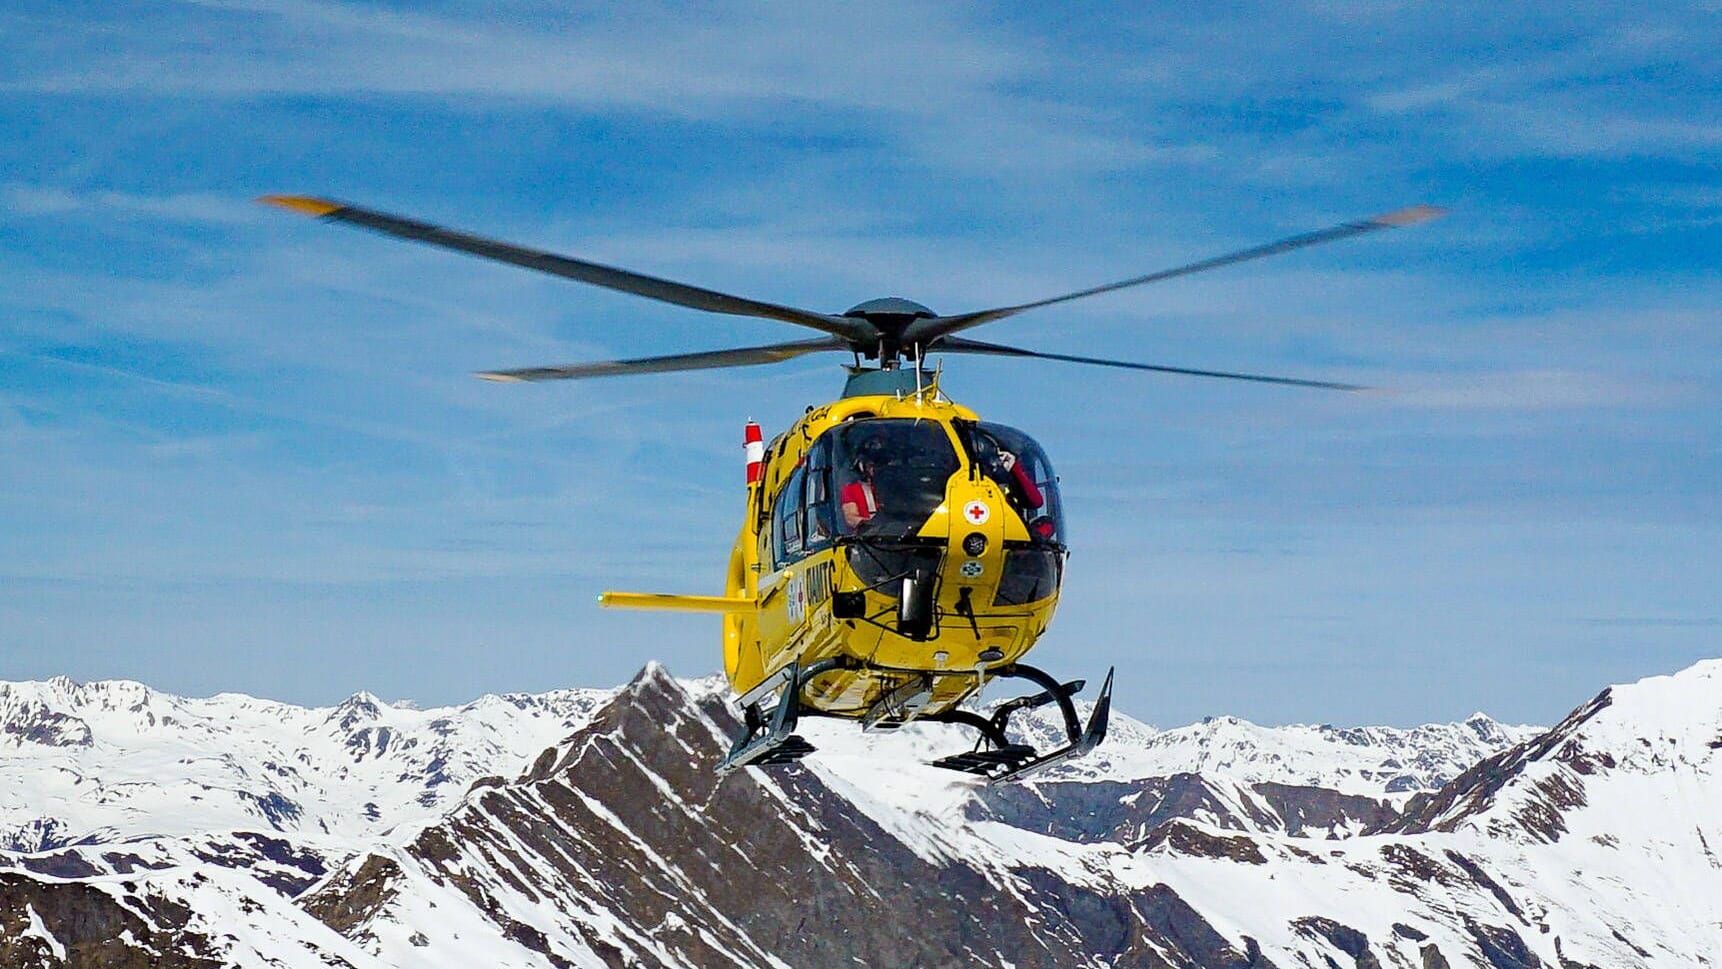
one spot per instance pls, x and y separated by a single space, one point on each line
675 603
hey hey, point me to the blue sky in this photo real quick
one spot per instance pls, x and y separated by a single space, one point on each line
241 450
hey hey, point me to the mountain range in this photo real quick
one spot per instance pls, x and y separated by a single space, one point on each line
588 828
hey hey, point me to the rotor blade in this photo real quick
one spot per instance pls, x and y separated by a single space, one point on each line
953 344
567 267
925 331
740 357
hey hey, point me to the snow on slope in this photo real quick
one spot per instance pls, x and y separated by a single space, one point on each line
886 773
1371 761
116 760
1485 893
1585 846
1597 843
1603 833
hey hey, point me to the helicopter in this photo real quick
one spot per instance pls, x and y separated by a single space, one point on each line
897 552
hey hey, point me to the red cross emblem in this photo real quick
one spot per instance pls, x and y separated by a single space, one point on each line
977 512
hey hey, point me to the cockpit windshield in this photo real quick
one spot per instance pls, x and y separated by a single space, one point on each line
890 475
1013 460
880 479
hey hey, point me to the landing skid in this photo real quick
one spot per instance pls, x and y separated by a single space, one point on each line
770 738
996 758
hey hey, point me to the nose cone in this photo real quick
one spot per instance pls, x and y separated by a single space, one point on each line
891 306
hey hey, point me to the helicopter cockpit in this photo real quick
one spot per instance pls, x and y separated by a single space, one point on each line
889 475
873 483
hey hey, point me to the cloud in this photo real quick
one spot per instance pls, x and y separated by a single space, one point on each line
951 86
206 208
1596 94
220 398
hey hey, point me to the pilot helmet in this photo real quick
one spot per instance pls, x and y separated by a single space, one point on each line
869 452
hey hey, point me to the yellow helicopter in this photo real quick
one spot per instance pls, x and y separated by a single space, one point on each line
897 552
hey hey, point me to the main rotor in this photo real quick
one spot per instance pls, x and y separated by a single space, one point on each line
889 330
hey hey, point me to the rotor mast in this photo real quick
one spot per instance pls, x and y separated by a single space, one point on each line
887 319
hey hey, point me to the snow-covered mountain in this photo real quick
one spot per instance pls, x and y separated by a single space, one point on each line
116 760
1219 844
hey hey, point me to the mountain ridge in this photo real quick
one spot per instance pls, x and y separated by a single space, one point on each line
616 845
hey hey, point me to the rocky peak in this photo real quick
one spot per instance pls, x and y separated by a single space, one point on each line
1660 729
355 712
1473 793
649 707
118 695
623 847
28 719
1483 725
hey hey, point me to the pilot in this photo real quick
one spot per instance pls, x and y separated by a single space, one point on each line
858 499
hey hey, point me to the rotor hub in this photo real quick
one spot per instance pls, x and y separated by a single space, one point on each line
890 306
890 317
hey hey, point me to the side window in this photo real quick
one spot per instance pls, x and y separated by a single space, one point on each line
786 520
1012 459
817 516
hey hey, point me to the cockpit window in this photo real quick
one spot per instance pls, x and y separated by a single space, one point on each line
1020 468
889 475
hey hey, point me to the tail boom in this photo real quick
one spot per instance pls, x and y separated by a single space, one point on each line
676 603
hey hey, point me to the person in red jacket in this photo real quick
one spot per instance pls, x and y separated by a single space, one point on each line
1026 490
858 499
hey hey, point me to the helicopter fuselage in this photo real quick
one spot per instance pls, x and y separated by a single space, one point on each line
910 607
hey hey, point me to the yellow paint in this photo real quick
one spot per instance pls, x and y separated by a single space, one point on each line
758 644
674 603
301 203
1410 216
763 632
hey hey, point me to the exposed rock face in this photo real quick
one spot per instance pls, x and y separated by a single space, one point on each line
276 863
619 847
1474 791
629 820
1126 812
36 725
36 834
52 924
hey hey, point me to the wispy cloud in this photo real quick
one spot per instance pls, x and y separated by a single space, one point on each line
936 84
1587 99
206 208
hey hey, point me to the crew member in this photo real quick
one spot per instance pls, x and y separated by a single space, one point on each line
1027 490
858 499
